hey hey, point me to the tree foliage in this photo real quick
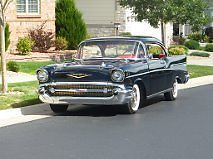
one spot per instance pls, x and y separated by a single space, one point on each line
178 11
69 23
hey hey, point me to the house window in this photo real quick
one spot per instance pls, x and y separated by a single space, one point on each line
28 6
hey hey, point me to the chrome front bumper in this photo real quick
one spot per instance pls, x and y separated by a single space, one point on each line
121 95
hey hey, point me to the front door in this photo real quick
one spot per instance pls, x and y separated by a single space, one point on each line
157 67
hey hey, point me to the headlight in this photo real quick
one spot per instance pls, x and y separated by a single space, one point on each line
118 76
42 75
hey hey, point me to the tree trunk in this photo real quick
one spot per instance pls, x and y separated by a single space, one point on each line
3 61
162 32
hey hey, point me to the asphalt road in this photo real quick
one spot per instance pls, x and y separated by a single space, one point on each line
182 129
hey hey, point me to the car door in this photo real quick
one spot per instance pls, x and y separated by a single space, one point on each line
158 74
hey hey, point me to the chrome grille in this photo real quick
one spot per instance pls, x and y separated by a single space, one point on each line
82 90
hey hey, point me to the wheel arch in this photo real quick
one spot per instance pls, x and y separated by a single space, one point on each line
179 80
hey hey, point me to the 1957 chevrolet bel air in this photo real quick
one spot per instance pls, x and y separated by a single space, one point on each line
113 71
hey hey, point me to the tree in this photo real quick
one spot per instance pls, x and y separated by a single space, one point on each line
69 23
3 6
164 11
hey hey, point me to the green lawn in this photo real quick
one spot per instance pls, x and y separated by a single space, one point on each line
198 71
23 94
31 67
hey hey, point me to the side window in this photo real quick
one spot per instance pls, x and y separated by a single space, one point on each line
92 51
155 51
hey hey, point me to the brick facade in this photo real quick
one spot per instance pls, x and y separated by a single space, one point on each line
21 24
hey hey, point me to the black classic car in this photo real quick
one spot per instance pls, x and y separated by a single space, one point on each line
113 71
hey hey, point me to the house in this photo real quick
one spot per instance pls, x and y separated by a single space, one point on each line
105 18
24 15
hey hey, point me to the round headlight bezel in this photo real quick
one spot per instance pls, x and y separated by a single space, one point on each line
118 75
42 75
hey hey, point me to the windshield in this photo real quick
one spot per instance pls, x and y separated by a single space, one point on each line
110 49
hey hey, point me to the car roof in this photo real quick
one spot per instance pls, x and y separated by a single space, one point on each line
144 39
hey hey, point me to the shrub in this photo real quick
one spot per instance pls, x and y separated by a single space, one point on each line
202 48
192 44
209 47
178 50
13 66
179 40
61 43
69 23
201 54
182 41
24 45
206 39
125 34
195 36
43 40
155 50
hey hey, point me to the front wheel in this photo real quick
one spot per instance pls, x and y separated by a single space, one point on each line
172 95
58 108
136 100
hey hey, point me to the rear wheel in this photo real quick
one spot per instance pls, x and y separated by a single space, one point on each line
136 101
172 95
59 108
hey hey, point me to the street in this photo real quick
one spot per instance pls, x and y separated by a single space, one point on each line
181 129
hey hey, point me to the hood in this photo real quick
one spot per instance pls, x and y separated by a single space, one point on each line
97 70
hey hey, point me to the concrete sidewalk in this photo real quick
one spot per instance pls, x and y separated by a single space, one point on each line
41 111
14 77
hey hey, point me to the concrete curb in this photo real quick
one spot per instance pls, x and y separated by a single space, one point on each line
196 82
40 111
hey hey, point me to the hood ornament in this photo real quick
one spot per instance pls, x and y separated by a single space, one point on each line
78 75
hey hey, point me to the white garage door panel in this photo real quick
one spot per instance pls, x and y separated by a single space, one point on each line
97 11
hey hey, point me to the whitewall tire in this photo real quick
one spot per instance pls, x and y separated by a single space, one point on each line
135 101
173 94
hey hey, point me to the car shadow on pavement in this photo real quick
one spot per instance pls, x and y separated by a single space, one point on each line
85 110
105 111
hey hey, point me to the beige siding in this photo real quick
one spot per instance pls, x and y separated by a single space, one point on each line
97 11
